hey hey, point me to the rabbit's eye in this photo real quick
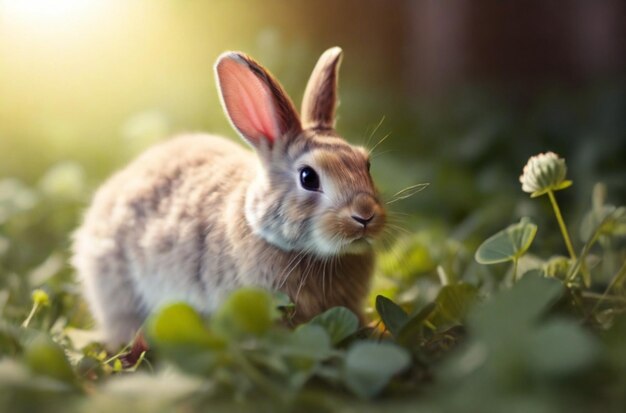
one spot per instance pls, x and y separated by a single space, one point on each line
309 179
369 164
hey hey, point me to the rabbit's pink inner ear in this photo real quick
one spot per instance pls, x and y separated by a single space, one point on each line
247 100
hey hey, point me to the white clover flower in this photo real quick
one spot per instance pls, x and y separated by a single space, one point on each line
543 173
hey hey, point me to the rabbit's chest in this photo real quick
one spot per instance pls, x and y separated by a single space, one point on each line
194 267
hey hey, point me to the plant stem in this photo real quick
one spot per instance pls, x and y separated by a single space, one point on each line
30 315
618 278
515 270
603 296
559 218
444 278
579 264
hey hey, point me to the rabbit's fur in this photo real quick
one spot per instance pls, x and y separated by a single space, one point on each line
198 216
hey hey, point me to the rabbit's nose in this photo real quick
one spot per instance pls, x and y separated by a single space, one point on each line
363 221
363 209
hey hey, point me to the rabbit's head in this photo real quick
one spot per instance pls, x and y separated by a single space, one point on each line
313 191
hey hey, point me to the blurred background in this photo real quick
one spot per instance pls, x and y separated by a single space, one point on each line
465 91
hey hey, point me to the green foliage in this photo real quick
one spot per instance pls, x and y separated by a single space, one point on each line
179 324
274 361
43 356
247 311
369 366
391 314
339 322
444 332
454 302
518 351
561 347
507 245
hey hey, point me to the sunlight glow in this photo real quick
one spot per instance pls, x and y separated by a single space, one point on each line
42 14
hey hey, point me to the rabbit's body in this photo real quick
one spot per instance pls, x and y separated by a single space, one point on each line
197 216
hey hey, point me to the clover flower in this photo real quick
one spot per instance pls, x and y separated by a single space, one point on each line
544 173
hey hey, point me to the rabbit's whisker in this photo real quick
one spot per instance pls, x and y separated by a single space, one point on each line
307 271
369 138
397 228
407 192
383 139
293 264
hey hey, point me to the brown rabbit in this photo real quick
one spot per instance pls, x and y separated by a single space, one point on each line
198 216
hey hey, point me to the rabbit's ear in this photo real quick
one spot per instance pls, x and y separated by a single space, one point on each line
256 104
320 96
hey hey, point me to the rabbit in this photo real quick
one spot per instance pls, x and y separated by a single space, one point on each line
198 215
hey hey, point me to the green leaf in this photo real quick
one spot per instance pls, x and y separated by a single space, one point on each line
44 356
614 343
179 333
561 347
304 349
16 378
411 331
509 310
117 365
369 366
13 338
455 300
393 316
246 311
281 299
496 356
308 341
508 244
179 324
565 184
562 185
339 323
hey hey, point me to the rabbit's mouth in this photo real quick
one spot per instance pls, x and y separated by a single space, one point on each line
358 246
347 231
339 245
